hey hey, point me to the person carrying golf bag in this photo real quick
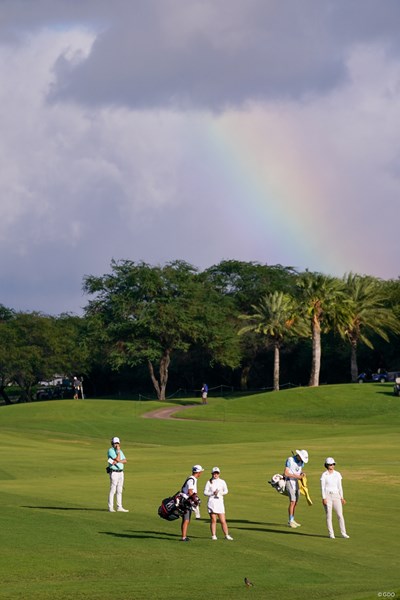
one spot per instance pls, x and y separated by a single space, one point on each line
189 490
292 474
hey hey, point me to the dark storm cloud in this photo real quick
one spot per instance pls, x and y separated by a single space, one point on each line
213 55
19 16
209 53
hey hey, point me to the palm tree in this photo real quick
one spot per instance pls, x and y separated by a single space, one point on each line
276 318
366 313
322 298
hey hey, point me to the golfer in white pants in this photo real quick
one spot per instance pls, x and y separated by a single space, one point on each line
332 497
116 462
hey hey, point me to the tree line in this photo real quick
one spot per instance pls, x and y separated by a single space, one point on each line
243 323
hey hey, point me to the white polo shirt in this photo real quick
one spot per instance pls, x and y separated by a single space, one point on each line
190 484
331 483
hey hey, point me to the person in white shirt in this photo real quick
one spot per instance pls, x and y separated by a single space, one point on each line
116 463
189 488
332 496
216 489
293 472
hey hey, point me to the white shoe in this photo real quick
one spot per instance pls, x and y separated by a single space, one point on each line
293 524
214 537
344 535
122 509
332 536
228 537
111 510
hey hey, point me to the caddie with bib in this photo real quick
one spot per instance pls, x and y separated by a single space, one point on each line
292 474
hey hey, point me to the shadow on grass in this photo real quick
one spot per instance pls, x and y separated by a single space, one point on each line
241 521
159 535
232 523
65 508
287 531
252 522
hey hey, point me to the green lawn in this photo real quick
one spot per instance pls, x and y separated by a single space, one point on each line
59 541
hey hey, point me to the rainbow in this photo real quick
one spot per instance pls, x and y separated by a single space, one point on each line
274 191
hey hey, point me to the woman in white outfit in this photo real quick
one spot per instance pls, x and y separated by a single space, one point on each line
216 489
332 496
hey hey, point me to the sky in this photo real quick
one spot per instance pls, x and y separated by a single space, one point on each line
196 130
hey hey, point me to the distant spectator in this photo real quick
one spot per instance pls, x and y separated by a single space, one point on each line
77 388
204 393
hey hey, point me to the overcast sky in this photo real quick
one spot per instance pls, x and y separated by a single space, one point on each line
202 130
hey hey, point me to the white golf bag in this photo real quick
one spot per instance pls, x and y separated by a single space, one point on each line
278 482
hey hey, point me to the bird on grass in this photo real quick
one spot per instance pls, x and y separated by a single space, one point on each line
248 582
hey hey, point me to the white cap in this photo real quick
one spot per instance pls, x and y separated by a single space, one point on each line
215 470
303 455
115 440
197 469
330 461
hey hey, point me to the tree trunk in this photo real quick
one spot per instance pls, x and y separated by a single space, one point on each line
276 367
161 384
154 379
26 390
25 396
353 362
164 364
316 353
4 395
244 378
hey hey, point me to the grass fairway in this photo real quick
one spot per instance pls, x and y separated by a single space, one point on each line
59 541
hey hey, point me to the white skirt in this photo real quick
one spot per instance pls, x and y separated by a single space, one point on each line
216 505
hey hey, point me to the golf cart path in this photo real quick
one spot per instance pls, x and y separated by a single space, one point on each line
167 412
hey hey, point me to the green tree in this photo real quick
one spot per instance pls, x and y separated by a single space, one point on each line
322 298
246 283
31 350
143 313
35 347
276 318
391 288
366 313
6 314
72 346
